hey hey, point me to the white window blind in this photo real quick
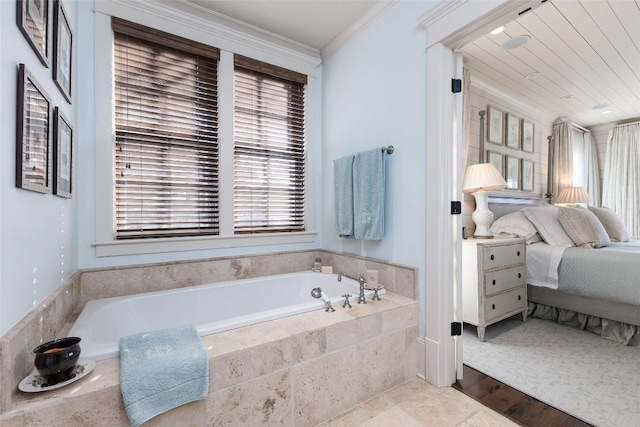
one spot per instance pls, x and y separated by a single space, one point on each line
166 119
269 148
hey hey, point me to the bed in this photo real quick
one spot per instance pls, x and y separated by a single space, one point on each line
578 271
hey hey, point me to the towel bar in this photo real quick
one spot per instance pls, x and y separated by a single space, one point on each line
388 149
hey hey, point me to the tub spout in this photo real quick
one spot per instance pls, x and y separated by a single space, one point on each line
361 280
319 293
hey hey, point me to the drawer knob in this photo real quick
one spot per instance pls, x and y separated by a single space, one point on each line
519 297
519 275
494 282
492 257
493 306
518 253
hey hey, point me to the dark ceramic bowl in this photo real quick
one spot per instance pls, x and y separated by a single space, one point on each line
56 359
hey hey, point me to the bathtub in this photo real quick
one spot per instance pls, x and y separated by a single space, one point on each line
211 308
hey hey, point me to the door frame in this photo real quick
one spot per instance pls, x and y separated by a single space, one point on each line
450 24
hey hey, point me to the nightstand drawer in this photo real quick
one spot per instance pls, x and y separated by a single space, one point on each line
500 304
503 255
501 280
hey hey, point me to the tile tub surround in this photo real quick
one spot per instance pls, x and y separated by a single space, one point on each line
300 370
40 325
54 317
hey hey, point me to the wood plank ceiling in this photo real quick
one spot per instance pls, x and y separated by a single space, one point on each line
582 59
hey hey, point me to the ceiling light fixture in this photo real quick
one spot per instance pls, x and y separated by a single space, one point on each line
607 111
566 97
516 42
600 106
498 30
533 75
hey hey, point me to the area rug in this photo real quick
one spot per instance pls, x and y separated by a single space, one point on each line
593 379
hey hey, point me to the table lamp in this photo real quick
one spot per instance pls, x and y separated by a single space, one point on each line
572 195
480 180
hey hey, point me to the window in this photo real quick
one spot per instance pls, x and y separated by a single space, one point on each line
166 123
269 149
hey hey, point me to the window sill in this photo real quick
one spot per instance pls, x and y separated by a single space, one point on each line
178 244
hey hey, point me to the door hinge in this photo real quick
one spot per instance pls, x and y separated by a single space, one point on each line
456 329
456 207
456 85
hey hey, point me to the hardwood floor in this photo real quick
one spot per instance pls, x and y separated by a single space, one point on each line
513 404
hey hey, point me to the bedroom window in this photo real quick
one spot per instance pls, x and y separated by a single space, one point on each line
166 134
269 148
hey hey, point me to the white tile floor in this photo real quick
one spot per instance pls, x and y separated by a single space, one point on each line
419 404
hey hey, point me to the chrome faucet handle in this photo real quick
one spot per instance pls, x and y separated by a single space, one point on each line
375 293
346 300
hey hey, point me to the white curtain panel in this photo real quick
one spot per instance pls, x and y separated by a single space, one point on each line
621 186
562 157
575 160
586 173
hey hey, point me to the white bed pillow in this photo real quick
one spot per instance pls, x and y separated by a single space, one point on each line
583 227
545 220
515 224
611 222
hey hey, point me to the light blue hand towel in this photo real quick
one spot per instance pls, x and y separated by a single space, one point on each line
161 370
343 191
368 195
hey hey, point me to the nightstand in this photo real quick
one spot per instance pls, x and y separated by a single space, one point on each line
494 281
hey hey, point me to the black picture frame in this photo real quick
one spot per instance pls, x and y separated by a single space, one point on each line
32 18
33 134
62 51
63 155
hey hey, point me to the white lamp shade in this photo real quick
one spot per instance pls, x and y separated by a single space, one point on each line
573 195
483 176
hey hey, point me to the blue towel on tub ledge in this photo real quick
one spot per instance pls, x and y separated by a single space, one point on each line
368 195
161 370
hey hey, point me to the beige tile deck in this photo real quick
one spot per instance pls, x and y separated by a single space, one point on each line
417 403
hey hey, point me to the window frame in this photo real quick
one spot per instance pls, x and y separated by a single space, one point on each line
230 43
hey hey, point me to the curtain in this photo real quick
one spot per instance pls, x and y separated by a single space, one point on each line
585 172
622 175
562 157
575 160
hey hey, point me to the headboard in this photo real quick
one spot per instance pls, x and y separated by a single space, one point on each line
501 206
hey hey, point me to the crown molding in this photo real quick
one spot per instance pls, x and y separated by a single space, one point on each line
356 28
206 26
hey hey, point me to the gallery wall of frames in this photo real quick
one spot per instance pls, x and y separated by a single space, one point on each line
44 140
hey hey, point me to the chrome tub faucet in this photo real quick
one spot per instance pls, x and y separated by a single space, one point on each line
360 279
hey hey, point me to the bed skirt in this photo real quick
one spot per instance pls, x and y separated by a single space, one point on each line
609 329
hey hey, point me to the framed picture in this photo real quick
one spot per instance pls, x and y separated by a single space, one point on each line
527 175
63 152
33 130
496 159
513 173
494 125
512 131
63 43
528 136
33 21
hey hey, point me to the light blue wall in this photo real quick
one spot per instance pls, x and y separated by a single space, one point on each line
374 95
38 234
370 93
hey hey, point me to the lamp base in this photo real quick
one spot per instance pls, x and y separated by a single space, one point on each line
482 216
